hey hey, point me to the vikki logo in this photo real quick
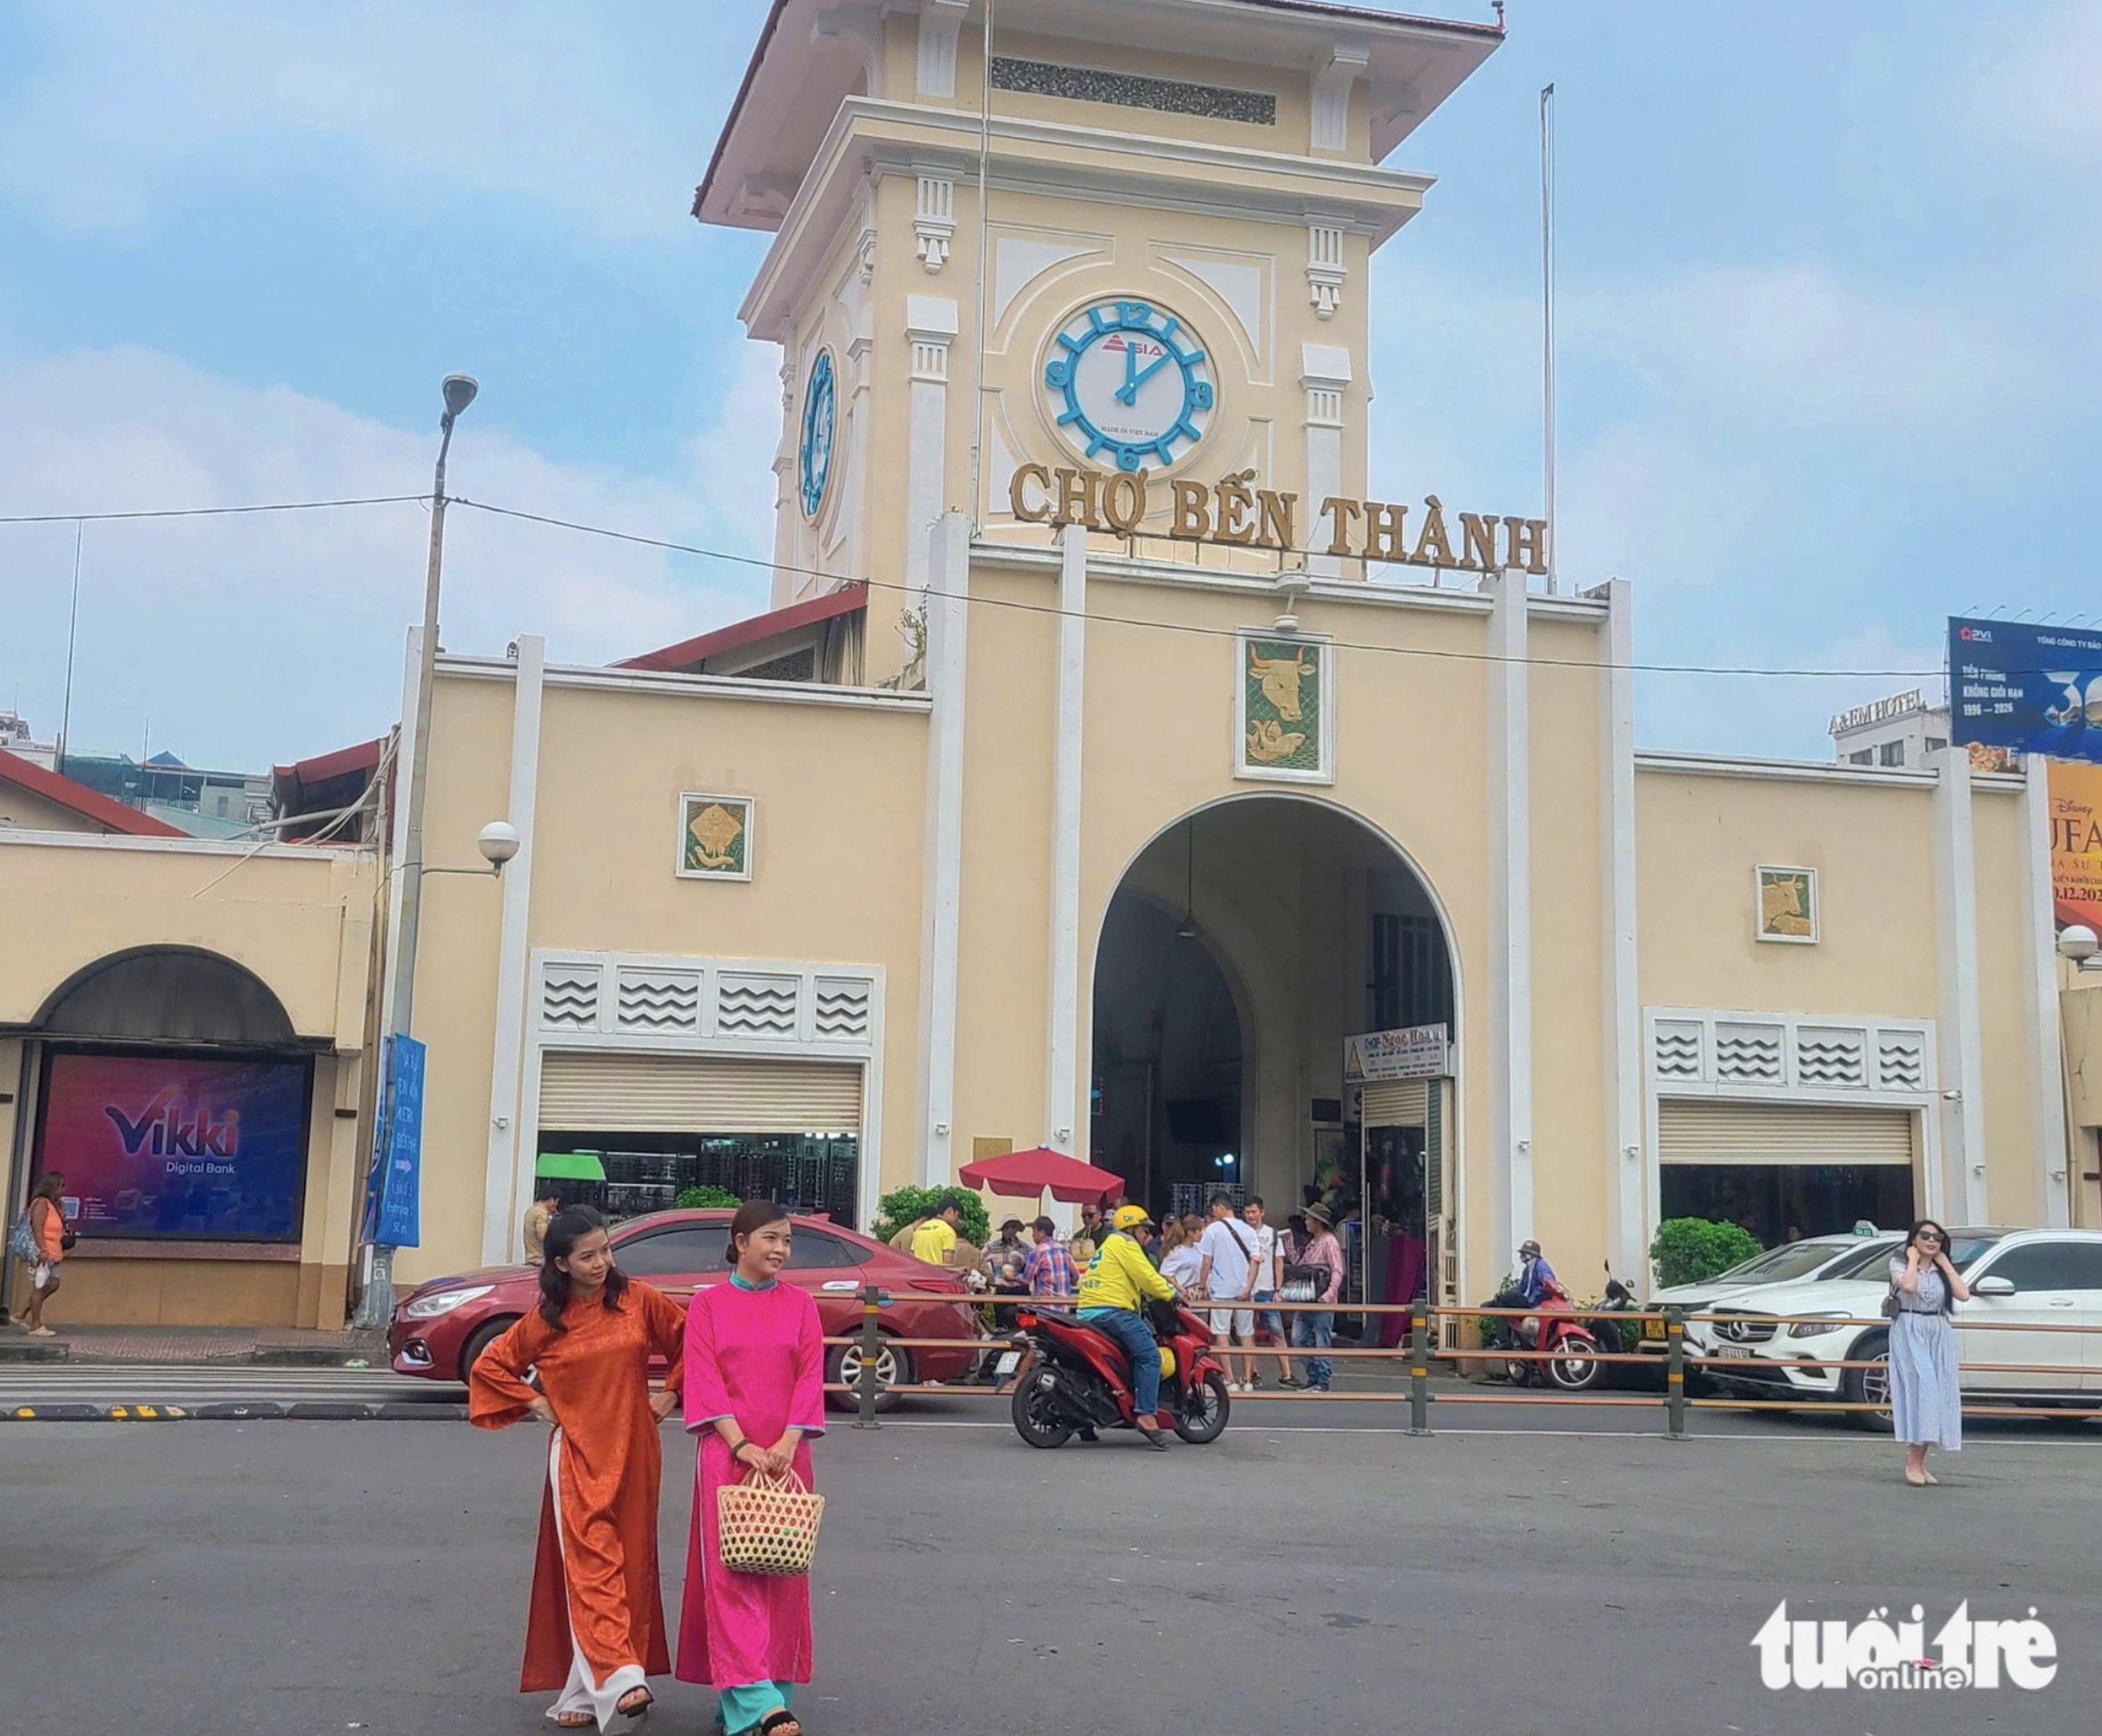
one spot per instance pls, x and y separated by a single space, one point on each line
161 1130
1872 1653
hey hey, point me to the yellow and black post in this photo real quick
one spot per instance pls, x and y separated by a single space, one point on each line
1419 1371
1675 1370
872 1349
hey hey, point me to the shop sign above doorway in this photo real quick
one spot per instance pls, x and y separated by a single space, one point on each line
1415 1051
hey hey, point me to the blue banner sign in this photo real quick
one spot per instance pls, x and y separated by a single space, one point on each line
401 1156
2018 684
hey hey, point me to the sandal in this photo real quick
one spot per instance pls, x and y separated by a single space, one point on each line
629 1707
782 1722
576 1721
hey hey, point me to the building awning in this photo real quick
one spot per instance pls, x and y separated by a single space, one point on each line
101 813
569 1167
689 654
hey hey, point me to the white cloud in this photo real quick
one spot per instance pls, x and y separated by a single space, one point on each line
1795 347
2040 86
128 103
262 637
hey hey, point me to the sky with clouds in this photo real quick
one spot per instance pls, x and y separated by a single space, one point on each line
1827 287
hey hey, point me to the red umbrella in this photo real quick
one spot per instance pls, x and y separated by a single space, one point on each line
1028 1175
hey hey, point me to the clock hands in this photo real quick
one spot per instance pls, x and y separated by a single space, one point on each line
1128 393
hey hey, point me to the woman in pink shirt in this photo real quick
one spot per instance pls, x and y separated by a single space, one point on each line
1315 1329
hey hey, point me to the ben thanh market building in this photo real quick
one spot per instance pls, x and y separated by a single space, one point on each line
1110 757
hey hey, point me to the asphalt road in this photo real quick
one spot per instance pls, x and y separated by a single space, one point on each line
307 1578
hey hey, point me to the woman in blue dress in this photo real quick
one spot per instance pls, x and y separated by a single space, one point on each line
1926 1400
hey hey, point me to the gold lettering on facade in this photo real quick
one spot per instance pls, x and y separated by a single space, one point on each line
1527 544
1193 517
1279 511
1346 513
1124 500
1477 537
1078 498
1236 522
1028 473
1383 527
1433 547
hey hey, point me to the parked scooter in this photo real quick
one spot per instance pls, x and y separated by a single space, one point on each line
1070 1378
1572 1363
1605 1322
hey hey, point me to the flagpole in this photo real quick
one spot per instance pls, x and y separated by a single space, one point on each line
1547 304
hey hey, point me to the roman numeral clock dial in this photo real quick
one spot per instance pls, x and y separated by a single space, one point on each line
1131 380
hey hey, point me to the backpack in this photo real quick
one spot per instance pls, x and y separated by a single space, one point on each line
22 1240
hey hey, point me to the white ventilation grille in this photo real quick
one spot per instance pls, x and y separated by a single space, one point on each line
1676 1048
569 998
755 1006
1749 1054
843 1008
1827 1055
660 1002
1900 1061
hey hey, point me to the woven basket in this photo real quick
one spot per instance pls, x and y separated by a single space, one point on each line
768 1524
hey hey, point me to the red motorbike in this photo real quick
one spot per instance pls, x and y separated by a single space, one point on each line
1572 1361
1070 1379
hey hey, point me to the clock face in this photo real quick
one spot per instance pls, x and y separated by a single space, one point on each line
1130 380
816 451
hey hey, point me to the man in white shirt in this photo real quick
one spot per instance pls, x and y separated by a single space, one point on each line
1264 1285
1227 1275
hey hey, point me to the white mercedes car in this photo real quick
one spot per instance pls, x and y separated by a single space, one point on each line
1809 1260
2023 1282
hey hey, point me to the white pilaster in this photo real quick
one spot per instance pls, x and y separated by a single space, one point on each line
934 219
1511 919
1960 1035
940 22
1326 269
1324 376
948 633
508 1180
930 327
2040 992
1630 1205
1062 1108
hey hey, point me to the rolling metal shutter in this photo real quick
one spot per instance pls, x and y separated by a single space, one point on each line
1701 1130
698 1094
1396 1103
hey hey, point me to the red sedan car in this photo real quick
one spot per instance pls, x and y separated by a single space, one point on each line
441 1326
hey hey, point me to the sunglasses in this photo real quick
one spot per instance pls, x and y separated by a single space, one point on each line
1928 1236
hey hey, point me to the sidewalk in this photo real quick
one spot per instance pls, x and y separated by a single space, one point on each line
283 1347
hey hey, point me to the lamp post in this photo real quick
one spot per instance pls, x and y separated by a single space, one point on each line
377 1305
2078 946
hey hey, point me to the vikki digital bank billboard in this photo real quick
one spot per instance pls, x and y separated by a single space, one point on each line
180 1146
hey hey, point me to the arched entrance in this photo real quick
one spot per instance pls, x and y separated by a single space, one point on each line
1245 943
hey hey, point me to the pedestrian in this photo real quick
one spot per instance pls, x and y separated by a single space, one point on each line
754 1395
1314 1329
597 1626
1004 1258
548 1200
936 1238
1264 1286
1182 1260
1926 1402
1049 1270
1228 1269
1113 1300
47 1242
1094 1227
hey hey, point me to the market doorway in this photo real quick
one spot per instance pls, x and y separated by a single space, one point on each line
1245 944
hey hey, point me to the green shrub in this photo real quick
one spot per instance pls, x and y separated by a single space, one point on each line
1689 1250
706 1198
900 1207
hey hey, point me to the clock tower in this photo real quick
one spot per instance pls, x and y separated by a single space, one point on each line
1122 236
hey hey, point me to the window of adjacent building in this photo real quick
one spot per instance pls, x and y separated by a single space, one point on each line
1935 743
1865 756
1892 753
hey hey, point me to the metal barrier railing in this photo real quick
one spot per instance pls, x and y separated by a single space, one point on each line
1420 1354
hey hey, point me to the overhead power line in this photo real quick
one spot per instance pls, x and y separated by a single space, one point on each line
207 512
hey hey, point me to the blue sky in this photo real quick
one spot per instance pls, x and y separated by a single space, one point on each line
1827 281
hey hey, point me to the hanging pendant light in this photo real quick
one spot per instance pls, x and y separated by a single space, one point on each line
1187 931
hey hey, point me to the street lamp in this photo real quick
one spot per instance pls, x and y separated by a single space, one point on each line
2078 944
457 391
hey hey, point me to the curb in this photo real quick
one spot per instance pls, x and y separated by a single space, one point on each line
238 1411
19 1352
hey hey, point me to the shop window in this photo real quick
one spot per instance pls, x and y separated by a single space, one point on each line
817 1174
